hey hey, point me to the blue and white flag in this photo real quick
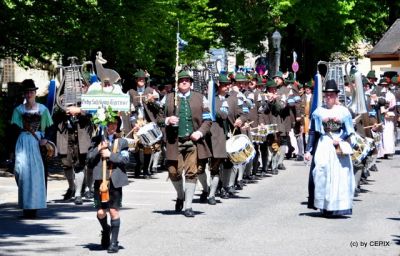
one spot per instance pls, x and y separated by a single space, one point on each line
211 98
182 43
317 94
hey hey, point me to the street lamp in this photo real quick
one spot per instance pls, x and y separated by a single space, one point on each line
276 42
1 73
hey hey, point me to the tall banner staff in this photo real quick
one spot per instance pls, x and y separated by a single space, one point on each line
176 67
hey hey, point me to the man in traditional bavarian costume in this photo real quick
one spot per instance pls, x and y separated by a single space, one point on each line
108 156
185 145
253 94
239 89
145 106
269 114
219 131
286 120
74 130
305 108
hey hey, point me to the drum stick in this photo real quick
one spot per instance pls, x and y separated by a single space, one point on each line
129 133
370 126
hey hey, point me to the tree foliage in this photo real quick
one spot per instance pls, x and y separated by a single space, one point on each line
142 33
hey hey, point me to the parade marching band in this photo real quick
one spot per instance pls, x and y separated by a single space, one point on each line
257 122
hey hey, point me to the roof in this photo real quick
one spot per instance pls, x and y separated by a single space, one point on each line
389 45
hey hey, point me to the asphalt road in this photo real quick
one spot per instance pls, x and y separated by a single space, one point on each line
268 218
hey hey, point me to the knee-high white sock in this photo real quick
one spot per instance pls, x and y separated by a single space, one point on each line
69 175
178 185
232 176
203 181
241 169
79 177
89 179
190 188
156 159
214 185
282 149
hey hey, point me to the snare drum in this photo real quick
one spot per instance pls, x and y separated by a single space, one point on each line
271 128
240 149
131 144
149 134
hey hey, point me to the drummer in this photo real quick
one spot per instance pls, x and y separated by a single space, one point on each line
186 124
239 88
225 106
145 106
253 94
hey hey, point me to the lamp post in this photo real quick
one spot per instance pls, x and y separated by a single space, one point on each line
276 42
1 73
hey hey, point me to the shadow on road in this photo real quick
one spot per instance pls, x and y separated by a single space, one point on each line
320 215
396 239
173 212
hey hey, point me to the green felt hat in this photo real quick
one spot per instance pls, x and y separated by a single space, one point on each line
371 74
140 74
271 84
240 77
224 79
184 74
279 74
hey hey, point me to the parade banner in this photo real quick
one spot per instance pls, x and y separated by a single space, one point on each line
98 96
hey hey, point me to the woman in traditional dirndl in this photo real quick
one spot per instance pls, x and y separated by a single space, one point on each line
331 126
32 118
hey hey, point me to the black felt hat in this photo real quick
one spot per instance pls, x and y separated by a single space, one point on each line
28 85
331 86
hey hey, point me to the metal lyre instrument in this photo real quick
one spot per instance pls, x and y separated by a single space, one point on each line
335 70
70 91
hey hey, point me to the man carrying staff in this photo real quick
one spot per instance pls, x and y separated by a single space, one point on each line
145 107
186 126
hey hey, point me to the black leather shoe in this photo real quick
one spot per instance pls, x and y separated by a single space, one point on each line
189 213
203 197
299 158
281 167
373 168
105 238
113 248
68 195
212 201
179 205
88 195
224 193
78 200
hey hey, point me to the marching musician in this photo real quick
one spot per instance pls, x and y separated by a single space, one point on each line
295 116
286 120
220 167
387 103
305 108
186 122
238 90
145 106
253 94
74 130
269 113
109 153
